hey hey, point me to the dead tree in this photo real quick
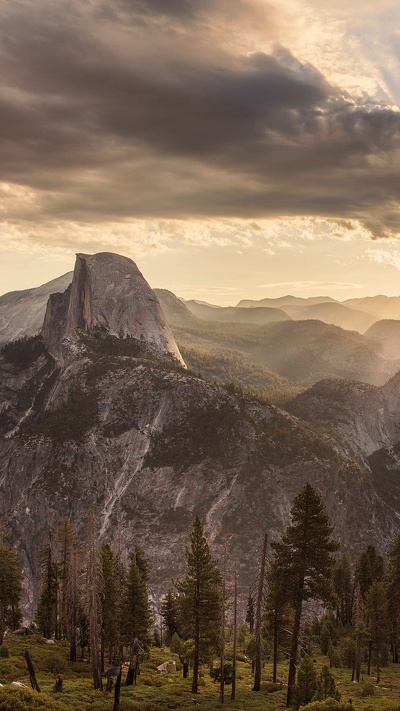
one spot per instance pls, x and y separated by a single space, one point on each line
222 643
134 668
234 655
31 669
117 691
258 639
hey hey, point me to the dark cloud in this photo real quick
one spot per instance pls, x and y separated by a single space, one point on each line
108 124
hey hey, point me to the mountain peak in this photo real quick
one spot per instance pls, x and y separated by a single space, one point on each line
109 292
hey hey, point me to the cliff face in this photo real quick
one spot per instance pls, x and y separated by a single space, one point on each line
108 292
22 312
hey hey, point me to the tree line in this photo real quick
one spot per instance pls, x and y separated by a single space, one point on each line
99 601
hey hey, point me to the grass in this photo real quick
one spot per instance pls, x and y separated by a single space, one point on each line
164 692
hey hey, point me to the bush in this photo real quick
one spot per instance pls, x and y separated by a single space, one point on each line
327 705
367 689
23 699
215 673
56 664
4 652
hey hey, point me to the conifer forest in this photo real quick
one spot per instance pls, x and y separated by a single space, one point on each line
317 631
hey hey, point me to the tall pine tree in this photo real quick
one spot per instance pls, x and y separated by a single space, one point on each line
305 561
136 614
200 600
10 587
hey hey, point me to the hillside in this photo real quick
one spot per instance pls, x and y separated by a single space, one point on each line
387 332
223 314
302 352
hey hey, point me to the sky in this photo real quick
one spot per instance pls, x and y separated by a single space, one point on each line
232 148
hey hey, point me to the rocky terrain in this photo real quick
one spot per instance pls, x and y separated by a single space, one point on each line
99 411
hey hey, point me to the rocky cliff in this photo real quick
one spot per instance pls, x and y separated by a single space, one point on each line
107 292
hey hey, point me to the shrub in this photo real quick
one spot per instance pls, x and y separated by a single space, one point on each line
4 652
23 699
367 689
327 705
56 664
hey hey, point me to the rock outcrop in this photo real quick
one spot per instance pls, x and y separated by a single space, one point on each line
22 312
107 292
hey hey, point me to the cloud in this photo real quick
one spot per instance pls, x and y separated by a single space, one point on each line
384 256
164 117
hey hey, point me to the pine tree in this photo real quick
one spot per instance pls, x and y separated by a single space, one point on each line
393 594
69 564
47 608
10 587
109 605
369 568
250 612
326 686
343 584
360 633
377 622
306 682
305 561
94 588
170 615
200 600
276 604
136 614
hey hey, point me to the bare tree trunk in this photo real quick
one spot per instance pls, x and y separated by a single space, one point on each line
195 681
369 658
234 655
35 686
275 652
222 644
117 691
258 640
93 591
293 652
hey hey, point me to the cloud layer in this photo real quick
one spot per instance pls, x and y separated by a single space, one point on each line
182 109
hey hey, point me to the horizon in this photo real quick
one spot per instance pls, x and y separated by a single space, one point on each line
200 298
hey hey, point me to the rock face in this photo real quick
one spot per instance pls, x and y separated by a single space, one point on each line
22 312
108 292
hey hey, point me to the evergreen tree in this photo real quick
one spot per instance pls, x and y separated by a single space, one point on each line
136 614
305 561
94 589
306 682
369 568
393 595
360 633
10 587
200 600
326 686
47 608
170 615
109 605
343 584
69 565
250 612
376 611
275 608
